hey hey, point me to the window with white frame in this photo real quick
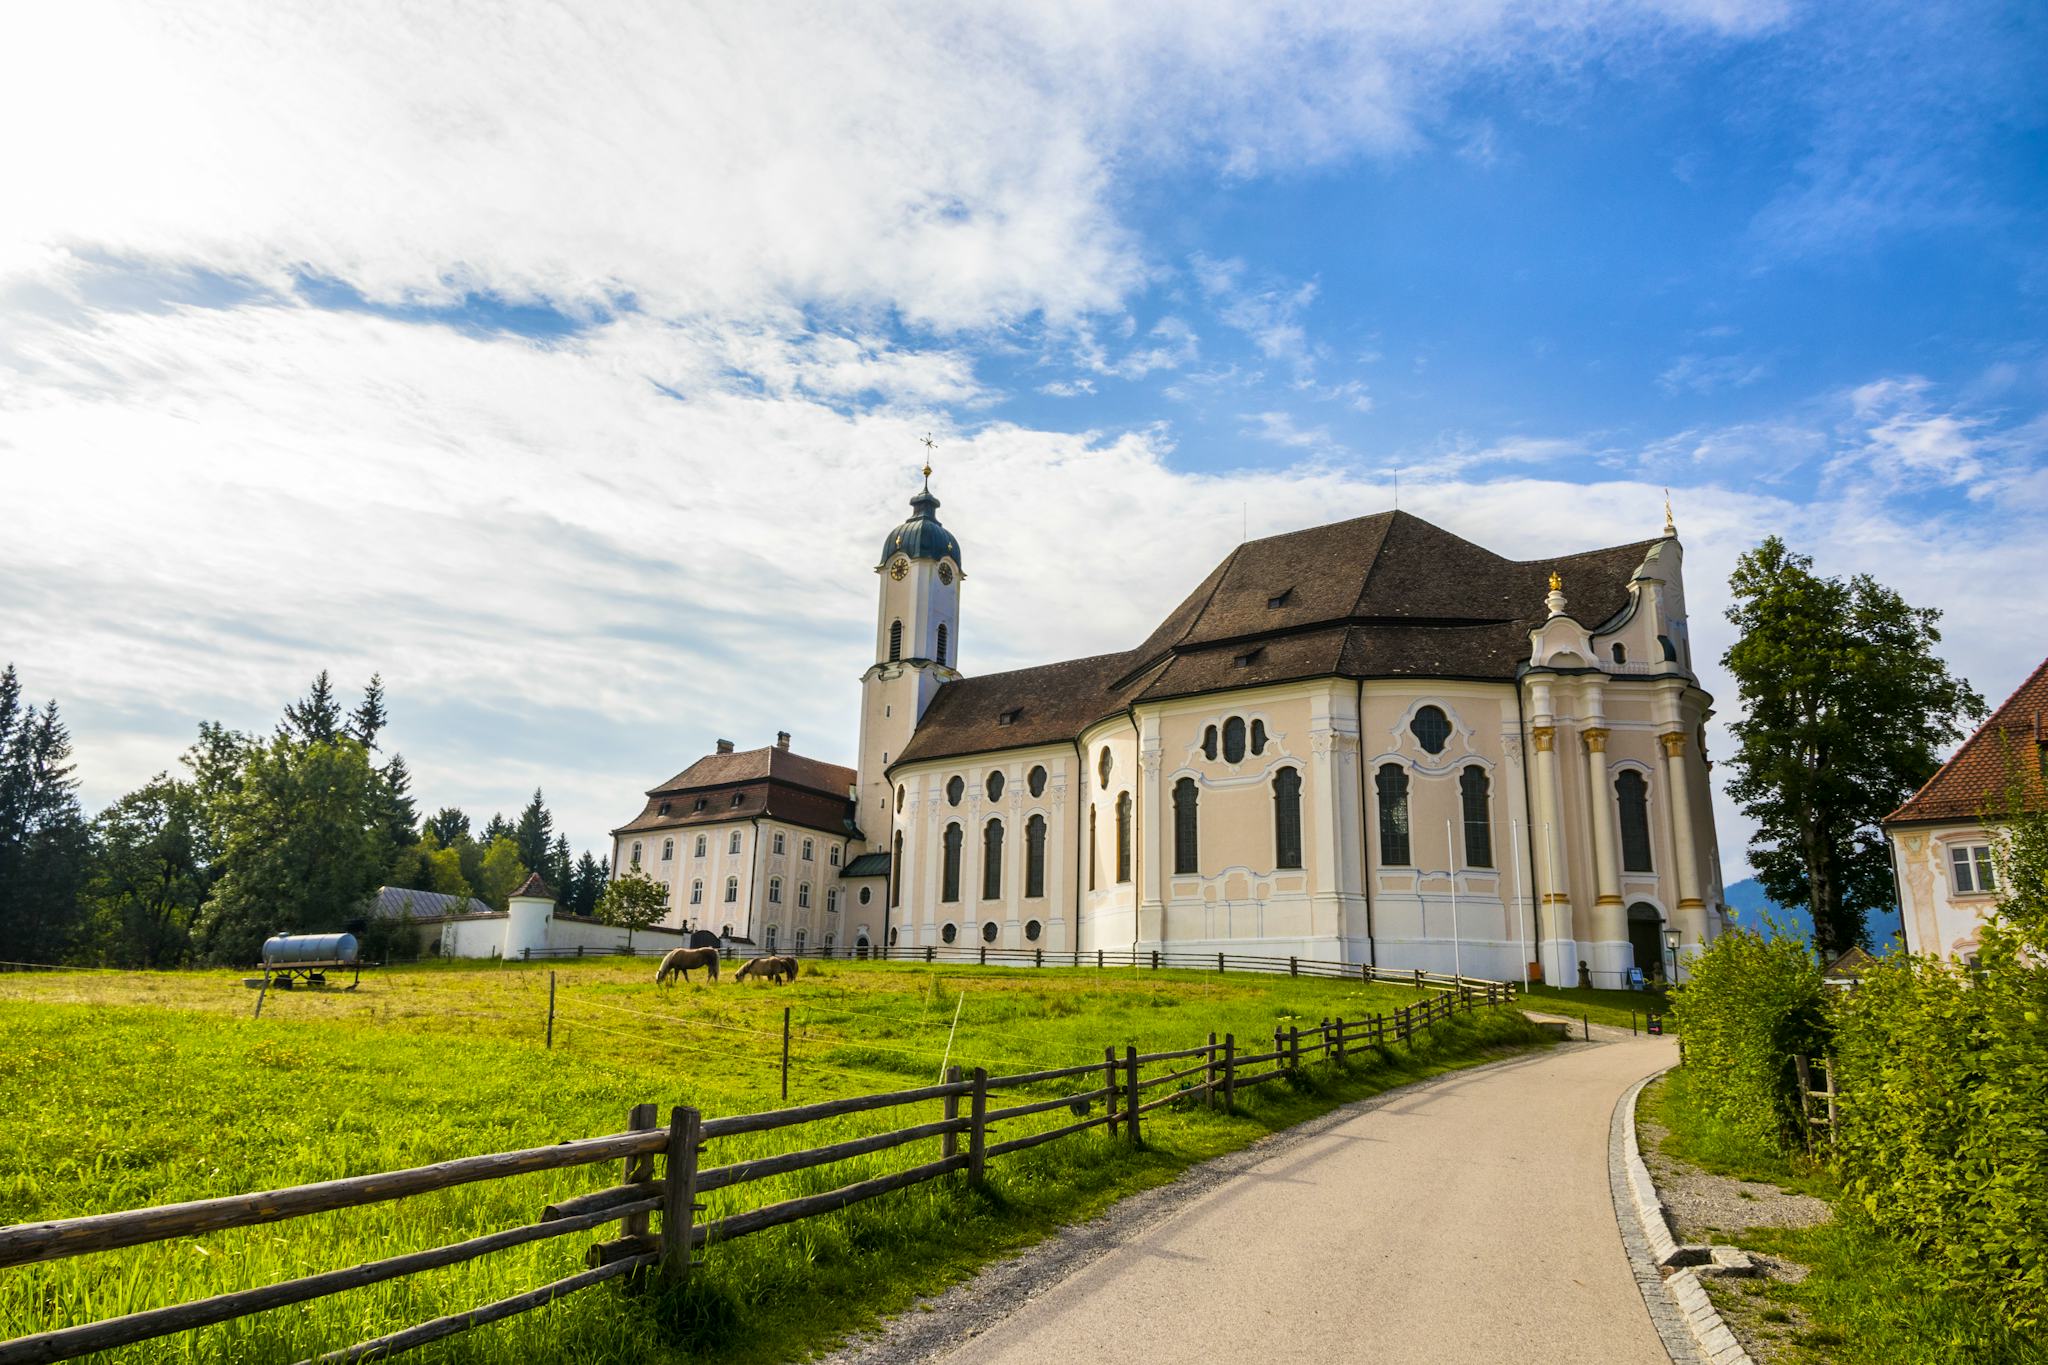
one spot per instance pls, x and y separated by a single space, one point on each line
636 853
1971 864
807 850
697 893
733 844
835 855
732 892
775 890
778 841
668 850
699 850
803 895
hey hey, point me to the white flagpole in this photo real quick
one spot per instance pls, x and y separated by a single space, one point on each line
1521 925
1451 861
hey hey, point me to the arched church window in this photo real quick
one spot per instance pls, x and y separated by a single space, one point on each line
1392 783
899 799
942 643
1634 795
1209 744
1123 837
896 875
995 786
1034 856
1185 795
1287 818
1036 781
988 931
1102 766
992 860
949 887
956 787
1670 648
1258 737
1620 652
1431 728
1473 787
895 641
1233 740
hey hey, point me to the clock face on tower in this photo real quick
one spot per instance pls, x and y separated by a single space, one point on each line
945 573
899 568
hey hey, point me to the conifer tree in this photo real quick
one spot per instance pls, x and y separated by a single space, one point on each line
534 834
316 718
369 718
589 885
44 839
561 868
447 825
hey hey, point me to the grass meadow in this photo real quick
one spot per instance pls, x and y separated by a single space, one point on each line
124 1090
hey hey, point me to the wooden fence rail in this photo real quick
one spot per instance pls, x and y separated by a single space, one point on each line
1214 1070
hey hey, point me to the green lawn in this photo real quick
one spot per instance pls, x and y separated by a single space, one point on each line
1863 1301
126 1090
1618 1008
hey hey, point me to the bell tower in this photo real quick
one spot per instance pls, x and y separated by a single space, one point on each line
917 648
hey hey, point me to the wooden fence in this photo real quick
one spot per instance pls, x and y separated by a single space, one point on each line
1102 959
1210 1075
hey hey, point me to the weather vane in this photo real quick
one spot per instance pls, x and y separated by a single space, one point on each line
1670 527
927 454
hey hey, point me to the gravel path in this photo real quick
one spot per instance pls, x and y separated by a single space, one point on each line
1465 1218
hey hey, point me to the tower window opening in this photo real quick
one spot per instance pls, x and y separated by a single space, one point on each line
895 641
942 644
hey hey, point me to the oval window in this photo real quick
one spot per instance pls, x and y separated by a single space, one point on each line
1032 929
949 932
988 931
1209 744
1431 728
1233 740
995 786
866 894
956 787
1258 737
1036 781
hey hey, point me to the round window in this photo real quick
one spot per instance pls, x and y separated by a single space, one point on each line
995 786
1032 929
1431 728
955 789
867 893
988 932
1036 781
949 932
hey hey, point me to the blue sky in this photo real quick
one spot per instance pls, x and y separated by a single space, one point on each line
567 367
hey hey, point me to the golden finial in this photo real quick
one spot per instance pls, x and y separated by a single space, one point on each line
1670 526
927 454
1556 581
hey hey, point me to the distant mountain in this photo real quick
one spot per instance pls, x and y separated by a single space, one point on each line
1750 904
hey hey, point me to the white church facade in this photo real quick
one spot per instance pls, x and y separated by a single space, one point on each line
1370 741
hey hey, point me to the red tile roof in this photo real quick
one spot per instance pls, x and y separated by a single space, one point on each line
1977 772
535 886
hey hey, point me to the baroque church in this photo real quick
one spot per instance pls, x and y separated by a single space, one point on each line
1370 741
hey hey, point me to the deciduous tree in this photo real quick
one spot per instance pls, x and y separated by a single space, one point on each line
1846 710
632 902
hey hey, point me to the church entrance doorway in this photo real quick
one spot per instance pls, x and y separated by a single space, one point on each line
1646 936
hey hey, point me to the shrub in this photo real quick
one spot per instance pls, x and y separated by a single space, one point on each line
1943 1128
1752 1004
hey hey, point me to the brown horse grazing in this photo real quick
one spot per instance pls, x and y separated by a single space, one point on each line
680 960
776 969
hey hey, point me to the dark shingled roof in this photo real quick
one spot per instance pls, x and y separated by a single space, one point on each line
868 865
769 781
534 885
1384 596
2016 731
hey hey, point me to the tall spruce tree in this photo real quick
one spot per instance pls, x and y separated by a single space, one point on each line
561 869
447 825
535 833
1846 710
589 885
369 718
44 840
316 718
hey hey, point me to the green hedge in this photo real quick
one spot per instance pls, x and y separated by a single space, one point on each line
1751 1004
1943 1121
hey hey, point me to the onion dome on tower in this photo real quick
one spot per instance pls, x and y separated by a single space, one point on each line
922 537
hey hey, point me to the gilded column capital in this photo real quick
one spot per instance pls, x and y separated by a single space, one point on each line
1596 739
1674 743
1544 736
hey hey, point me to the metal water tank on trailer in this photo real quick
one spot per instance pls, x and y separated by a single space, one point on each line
288 950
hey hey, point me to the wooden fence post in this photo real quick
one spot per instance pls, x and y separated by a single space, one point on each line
1109 1072
949 1145
551 1010
785 1052
1038 957
1209 1090
977 1136
1098 959
1293 965
984 954
930 951
1155 959
1340 1040
1131 1096
1365 972
1219 962
679 1193
1418 978
1229 1073
1294 1047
